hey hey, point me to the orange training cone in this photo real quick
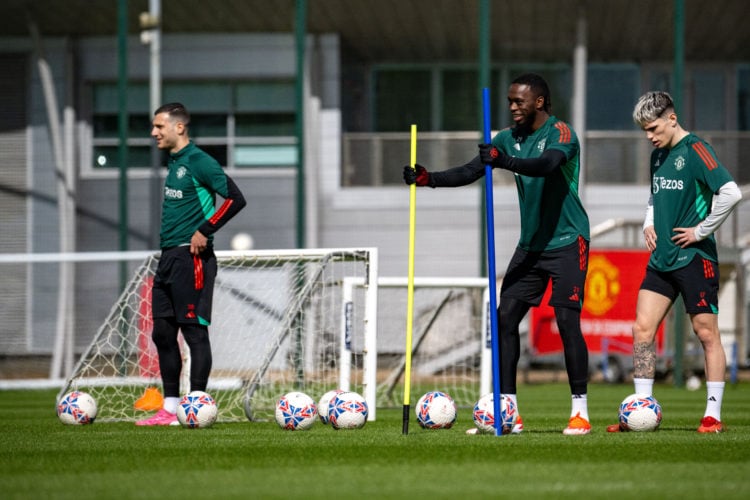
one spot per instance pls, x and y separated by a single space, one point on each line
150 401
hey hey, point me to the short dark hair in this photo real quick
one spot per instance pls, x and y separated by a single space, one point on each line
175 110
538 86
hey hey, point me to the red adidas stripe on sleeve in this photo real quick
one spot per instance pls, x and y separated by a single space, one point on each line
564 130
220 213
705 155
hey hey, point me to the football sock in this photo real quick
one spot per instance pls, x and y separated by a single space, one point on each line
714 395
579 406
196 336
644 386
170 404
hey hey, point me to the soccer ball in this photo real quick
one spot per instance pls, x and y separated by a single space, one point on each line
197 410
436 410
323 404
484 414
296 411
347 410
77 408
693 383
640 413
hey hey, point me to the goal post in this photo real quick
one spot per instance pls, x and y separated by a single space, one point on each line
276 327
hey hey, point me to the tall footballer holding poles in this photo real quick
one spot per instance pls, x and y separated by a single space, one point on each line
544 154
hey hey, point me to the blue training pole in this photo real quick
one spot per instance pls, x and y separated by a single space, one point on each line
491 268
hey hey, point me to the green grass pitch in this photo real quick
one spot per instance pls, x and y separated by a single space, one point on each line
42 458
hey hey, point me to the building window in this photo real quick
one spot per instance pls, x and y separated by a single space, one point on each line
460 100
449 98
403 97
611 92
241 124
707 97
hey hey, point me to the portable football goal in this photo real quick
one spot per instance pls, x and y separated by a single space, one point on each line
277 325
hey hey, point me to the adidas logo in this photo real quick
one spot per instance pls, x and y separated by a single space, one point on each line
712 399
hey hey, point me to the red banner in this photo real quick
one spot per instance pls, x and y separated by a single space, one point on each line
612 284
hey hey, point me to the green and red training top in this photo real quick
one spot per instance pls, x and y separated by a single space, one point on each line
683 182
193 181
552 215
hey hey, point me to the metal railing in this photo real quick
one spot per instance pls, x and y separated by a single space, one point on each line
610 157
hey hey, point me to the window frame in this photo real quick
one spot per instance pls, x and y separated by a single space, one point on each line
231 143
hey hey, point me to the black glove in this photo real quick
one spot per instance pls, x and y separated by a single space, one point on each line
419 176
492 156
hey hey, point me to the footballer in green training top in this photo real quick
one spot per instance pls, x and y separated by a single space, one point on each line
544 154
683 181
182 291
543 197
692 194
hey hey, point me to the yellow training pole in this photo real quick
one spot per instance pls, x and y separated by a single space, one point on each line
410 283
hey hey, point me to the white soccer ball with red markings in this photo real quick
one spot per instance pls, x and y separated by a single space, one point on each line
436 410
484 414
347 410
296 411
325 400
77 408
197 410
640 413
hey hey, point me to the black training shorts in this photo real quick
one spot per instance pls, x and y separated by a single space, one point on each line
184 285
698 282
529 272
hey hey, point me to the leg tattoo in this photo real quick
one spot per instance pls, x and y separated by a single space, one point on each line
644 360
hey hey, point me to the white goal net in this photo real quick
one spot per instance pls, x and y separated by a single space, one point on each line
278 325
451 347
